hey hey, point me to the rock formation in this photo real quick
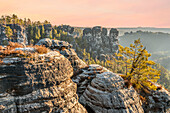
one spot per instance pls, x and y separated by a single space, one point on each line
86 75
65 49
102 91
46 83
106 94
39 84
99 41
66 28
19 34
157 101
48 30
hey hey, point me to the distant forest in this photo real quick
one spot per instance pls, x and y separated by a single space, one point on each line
36 30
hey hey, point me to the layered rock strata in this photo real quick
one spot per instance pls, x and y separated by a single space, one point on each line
86 75
40 84
106 94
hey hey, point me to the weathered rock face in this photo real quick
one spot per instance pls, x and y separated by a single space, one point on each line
48 29
19 34
100 41
105 94
65 49
38 85
86 75
66 28
157 101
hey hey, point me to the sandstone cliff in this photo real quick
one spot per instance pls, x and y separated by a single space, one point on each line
19 34
44 83
100 40
102 91
38 84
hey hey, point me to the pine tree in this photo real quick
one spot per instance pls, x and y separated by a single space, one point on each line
55 33
42 32
14 17
36 34
8 20
139 70
50 35
30 33
8 32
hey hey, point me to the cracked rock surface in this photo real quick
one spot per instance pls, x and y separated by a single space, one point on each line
39 85
105 94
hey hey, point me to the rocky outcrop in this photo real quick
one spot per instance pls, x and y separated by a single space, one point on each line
86 75
65 49
99 41
19 34
106 94
102 91
46 83
48 30
156 101
40 84
66 28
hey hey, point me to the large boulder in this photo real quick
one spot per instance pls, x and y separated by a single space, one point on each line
39 84
106 94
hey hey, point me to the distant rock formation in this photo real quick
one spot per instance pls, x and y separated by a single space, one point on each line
38 85
19 34
66 28
47 29
100 41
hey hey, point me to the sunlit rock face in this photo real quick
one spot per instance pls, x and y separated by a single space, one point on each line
65 49
106 94
40 84
19 34
101 40
102 91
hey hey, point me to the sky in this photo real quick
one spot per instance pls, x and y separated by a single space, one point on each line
88 13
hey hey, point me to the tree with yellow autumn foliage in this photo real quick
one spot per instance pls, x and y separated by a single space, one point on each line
139 69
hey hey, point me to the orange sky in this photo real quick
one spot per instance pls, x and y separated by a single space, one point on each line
108 13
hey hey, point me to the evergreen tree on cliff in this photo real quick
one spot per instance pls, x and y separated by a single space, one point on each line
139 70
8 32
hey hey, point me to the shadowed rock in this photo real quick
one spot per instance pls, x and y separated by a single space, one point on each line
157 101
38 85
